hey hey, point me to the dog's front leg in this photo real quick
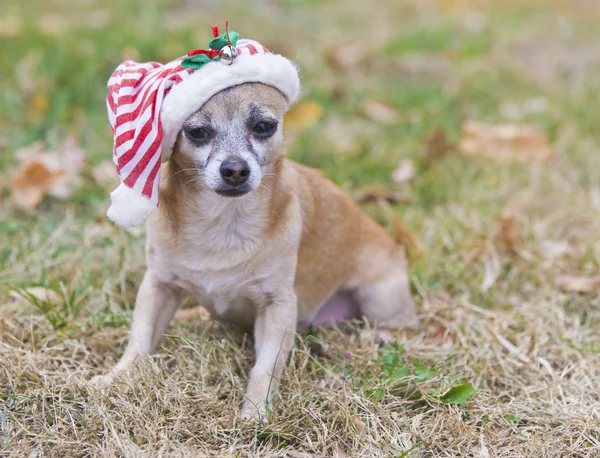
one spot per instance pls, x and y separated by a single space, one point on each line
155 306
274 331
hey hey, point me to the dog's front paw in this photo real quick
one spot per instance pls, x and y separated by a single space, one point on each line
253 412
102 381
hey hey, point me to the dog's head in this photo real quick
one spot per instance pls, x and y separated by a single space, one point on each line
233 138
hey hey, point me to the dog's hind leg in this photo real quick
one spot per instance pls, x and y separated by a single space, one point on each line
155 306
386 301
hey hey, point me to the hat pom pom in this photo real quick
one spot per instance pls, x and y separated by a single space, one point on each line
128 208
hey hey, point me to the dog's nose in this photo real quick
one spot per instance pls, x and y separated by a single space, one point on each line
235 172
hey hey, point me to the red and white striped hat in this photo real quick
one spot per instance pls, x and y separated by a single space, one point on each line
149 102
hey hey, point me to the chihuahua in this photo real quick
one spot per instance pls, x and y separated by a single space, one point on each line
260 241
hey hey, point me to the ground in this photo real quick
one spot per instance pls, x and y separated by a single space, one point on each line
493 237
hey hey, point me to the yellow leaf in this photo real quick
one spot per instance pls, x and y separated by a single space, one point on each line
303 115
504 143
38 105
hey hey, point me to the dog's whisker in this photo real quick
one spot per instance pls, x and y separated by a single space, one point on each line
185 170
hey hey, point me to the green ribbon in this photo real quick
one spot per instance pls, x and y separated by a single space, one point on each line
219 42
216 44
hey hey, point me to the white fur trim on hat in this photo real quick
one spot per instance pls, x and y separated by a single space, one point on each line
190 95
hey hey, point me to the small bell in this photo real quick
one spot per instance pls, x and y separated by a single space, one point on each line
228 54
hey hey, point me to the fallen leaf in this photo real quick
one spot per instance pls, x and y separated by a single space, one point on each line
492 268
380 111
509 233
504 143
442 334
458 394
38 292
578 284
437 147
406 238
378 194
303 115
45 172
33 181
405 171
38 105
348 57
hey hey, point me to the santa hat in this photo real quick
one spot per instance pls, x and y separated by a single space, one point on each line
149 102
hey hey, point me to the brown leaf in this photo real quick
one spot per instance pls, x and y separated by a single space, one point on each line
303 115
578 284
380 111
349 57
406 238
509 233
378 194
33 181
44 172
437 147
405 171
442 334
504 143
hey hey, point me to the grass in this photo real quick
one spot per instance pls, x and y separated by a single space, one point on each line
436 63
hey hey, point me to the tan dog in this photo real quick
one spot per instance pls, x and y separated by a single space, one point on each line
260 240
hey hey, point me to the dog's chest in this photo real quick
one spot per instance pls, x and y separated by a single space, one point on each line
218 260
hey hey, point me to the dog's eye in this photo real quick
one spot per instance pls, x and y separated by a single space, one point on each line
264 129
198 134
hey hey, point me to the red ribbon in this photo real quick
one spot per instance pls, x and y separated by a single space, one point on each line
211 53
